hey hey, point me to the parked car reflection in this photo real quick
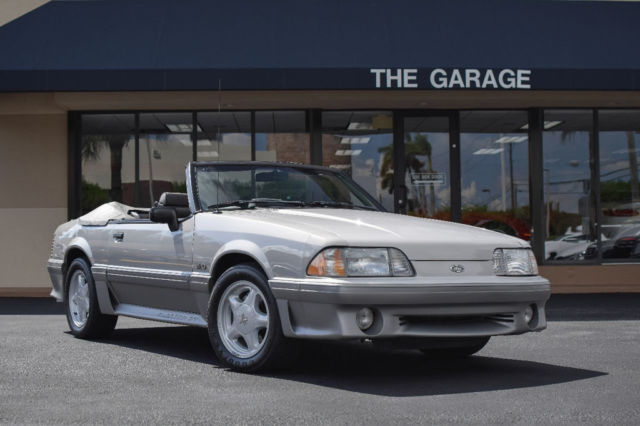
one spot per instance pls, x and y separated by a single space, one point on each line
570 246
622 245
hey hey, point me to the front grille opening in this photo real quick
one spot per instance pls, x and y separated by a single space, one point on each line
439 321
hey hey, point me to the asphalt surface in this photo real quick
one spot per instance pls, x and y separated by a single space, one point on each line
584 369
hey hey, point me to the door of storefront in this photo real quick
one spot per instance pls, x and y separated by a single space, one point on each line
426 164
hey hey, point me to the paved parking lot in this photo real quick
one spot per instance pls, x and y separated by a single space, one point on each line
584 368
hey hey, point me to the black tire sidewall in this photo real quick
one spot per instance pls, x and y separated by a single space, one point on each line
249 273
85 331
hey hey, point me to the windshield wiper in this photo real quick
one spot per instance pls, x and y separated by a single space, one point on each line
337 204
243 204
252 203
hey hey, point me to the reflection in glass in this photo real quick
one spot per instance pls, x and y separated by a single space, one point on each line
495 173
108 159
426 151
569 201
165 150
282 136
619 188
284 186
224 136
360 143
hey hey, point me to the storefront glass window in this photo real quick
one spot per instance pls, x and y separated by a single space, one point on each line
495 172
224 136
426 158
360 143
569 199
619 138
165 150
108 160
282 136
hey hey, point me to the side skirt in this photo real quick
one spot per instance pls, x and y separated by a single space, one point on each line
162 315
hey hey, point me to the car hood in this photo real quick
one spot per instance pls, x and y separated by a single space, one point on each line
418 238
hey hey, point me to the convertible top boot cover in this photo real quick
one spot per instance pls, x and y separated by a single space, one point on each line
106 212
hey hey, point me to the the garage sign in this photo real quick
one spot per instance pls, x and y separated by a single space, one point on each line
451 78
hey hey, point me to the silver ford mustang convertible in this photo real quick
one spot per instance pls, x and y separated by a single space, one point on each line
264 254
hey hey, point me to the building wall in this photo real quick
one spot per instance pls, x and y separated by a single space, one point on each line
13 9
33 167
33 172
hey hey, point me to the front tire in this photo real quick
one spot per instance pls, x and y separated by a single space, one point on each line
81 303
243 322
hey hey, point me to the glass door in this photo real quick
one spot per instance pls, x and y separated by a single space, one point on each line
423 186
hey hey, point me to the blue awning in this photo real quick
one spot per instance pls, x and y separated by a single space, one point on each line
113 45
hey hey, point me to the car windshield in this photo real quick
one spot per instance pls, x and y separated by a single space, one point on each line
249 186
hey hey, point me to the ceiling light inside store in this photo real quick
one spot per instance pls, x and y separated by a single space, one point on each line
488 151
547 125
511 139
207 154
359 126
181 128
348 152
354 141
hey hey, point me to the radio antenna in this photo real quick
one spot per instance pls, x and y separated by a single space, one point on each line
219 108
218 186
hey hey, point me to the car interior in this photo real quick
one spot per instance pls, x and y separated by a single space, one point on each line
177 201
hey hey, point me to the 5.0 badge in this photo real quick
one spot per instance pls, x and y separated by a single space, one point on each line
456 268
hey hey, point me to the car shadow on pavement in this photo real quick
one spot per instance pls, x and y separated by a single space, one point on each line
188 343
366 368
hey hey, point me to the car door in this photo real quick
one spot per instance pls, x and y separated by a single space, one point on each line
148 265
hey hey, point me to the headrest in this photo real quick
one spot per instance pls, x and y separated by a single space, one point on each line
174 199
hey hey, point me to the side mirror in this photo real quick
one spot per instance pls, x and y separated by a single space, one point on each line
164 215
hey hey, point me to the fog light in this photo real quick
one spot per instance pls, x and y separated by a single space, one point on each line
528 314
364 318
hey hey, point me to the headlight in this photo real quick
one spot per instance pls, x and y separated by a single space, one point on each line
514 262
360 262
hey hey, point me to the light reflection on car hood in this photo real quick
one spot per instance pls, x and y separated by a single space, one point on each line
418 238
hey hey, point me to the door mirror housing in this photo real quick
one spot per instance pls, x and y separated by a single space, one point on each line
164 215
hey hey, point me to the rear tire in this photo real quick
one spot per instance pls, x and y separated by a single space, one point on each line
81 303
456 349
244 324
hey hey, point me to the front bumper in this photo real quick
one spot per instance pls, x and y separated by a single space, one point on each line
410 307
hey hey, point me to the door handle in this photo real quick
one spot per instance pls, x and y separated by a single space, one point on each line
118 237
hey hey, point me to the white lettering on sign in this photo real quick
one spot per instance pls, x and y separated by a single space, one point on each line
472 76
377 72
524 76
410 78
456 78
438 78
489 79
395 78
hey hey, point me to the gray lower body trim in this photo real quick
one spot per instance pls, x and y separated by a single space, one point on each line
187 287
163 315
102 289
411 292
54 267
416 307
